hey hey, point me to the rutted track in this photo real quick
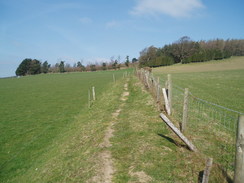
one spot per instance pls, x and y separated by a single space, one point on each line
105 174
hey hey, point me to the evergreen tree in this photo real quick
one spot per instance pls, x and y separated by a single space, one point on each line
28 66
127 62
134 60
104 66
61 67
45 67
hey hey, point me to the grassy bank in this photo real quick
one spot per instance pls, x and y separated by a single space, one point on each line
220 82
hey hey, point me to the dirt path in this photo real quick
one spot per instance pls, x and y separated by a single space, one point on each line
107 169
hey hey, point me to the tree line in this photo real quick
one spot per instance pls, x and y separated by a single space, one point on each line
186 50
33 66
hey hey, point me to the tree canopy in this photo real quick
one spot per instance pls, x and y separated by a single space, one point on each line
28 67
186 50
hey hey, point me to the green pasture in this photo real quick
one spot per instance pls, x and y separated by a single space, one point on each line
35 110
220 82
210 127
48 134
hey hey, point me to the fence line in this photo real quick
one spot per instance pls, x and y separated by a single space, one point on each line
212 127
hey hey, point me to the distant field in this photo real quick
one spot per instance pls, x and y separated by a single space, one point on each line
233 63
36 109
220 82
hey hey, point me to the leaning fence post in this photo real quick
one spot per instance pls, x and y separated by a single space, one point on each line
185 110
93 93
239 161
178 133
170 91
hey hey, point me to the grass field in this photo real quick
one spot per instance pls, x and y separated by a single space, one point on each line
35 110
210 127
48 134
56 138
220 82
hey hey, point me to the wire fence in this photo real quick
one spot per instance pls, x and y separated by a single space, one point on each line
211 127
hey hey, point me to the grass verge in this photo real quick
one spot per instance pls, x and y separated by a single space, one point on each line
144 150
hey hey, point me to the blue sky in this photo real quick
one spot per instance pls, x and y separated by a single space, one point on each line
96 30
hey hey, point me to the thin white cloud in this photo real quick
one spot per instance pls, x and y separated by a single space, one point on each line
85 20
173 8
112 24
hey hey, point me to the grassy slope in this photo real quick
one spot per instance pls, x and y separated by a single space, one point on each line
35 110
220 82
142 146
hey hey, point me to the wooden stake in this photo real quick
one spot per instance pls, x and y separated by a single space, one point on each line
166 101
170 91
185 110
207 170
93 93
239 161
178 133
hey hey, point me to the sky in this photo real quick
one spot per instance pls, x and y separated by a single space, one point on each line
97 30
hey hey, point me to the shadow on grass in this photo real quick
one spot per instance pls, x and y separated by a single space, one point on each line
225 175
173 141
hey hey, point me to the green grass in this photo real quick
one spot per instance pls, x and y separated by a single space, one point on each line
72 156
49 135
35 110
145 149
211 128
218 82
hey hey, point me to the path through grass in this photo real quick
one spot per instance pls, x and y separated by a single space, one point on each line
142 148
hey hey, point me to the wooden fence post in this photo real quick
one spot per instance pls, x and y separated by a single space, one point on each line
166 101
89 99
93 93
178 133
170 91
239 161
206 172
185 110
